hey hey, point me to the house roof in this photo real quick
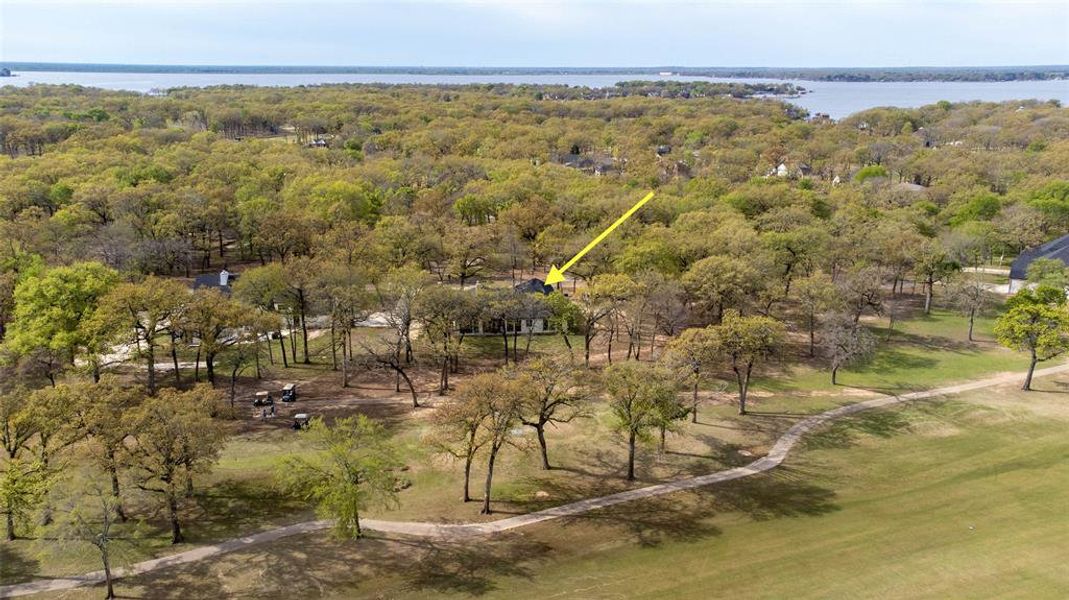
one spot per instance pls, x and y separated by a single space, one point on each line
533 286
1057 249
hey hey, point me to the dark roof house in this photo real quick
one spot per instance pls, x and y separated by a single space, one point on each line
221 282
533 286
1057 249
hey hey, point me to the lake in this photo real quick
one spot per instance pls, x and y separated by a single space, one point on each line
837 99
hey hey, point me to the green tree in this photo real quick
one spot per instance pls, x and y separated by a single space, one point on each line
174 437
638 393
352 468
746 342
144 310
54 310
695 352
1035 324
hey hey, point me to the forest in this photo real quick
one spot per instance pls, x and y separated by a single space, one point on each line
376 232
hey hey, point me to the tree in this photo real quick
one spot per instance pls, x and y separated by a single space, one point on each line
353 467
500 399
100 419
265 288
1037 322
637 394
215 323
846 343
747 341
144 309
969 294
24 479
53 311
1050 272
387 353
817 294
89 518
174 437
564 316
695 351
860 289
444 312
556 396
717 283
933 265
458 432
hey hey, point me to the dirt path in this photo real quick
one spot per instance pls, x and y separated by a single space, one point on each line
775 456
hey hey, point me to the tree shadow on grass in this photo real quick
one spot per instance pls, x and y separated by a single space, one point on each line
844 432
317 566
783 492
231 507
15 566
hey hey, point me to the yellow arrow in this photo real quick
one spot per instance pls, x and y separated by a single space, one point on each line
557 275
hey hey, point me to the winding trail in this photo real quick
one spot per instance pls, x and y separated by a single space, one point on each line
775 457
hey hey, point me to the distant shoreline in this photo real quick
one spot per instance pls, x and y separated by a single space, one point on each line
851 74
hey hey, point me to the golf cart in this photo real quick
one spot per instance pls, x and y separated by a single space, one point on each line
262 399
301 421
289 392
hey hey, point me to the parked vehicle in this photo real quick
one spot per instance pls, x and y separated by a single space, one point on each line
263 399
301 421
289 392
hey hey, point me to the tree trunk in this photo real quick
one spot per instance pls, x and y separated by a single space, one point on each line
110 591
540 429
176 528
505 339
114 473
151 364
304 334
928 285
209 364
282 345
694 402
333 348
1031 369
972 318
233 385
467 476
631 456
489 481
412 388
174 361
834 375
744 383
10 521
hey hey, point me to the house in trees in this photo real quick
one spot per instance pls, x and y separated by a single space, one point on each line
222 281
596 164
529 317
1057 249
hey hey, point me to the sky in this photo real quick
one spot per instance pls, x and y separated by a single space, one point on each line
523 33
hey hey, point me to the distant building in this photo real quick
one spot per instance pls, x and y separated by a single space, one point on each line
537 321
222 281
590 163
1057 249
